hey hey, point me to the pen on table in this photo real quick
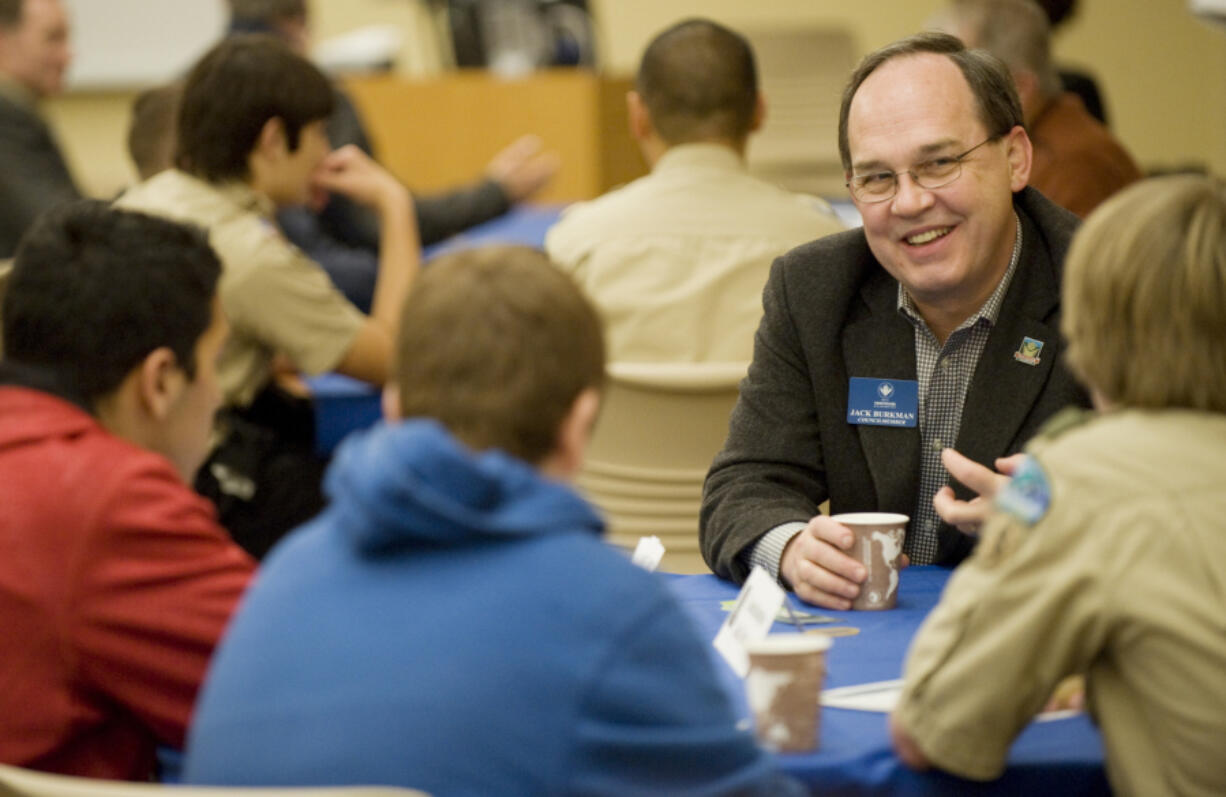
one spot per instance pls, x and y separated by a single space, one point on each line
792 616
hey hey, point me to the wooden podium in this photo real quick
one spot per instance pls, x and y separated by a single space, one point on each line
443 131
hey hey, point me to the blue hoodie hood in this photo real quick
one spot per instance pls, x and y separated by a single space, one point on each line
411 482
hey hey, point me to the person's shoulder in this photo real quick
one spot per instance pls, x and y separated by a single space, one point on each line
131 468
602 579
1054 224
1117 461
838 262
583 226
18 123
595 212
785 209
104 470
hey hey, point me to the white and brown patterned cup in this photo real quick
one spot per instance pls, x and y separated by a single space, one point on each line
783 687
877 544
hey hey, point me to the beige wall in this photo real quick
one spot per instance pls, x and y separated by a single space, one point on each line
1162 71
92 128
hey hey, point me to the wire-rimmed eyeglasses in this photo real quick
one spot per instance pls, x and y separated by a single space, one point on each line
935 173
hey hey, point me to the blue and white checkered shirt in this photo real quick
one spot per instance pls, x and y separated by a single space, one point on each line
944 374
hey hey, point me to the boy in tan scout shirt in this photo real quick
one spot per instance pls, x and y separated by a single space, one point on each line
250 139
1106 554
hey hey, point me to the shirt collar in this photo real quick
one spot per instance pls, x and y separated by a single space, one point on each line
18 93
245 197
990 310
700 155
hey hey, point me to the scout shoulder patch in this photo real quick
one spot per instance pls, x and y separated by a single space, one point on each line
1028 494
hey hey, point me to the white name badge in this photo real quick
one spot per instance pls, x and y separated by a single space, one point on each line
756 607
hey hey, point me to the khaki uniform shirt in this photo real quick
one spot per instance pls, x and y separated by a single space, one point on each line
1108 558
676 260
275 297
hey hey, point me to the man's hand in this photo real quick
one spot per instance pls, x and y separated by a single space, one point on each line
906 748
522 169
815 564
968 516
353 173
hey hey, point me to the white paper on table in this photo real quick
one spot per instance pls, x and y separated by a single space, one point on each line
750 619
879 696
882 697
648 553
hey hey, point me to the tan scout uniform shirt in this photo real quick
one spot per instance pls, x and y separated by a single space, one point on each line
676 260
274 296
1123 578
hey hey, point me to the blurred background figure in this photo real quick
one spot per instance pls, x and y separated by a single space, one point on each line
341 235
1076 81
34 55
151 131
1077 162
676 260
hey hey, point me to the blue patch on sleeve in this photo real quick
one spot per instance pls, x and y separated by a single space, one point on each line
1028 494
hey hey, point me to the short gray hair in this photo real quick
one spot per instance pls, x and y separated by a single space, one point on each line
266 11
1015 31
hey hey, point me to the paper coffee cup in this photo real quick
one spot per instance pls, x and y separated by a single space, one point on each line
877 544
783 686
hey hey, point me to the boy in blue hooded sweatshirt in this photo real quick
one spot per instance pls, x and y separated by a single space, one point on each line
453 621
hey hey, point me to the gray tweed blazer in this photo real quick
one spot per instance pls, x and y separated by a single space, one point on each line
830 314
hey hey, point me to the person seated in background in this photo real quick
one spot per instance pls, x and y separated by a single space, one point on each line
341 235
676 260
947 301
1106 553
1074 80
151 147
151 129
453 621
34 55
250 138
116 580
1077 162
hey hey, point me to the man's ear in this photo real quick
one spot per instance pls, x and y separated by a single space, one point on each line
160 380
575 432
640 117
759 113
272 142
1021 156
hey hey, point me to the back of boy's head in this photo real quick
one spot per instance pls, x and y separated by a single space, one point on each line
151 130
496 343
1145 296
94 290
232 92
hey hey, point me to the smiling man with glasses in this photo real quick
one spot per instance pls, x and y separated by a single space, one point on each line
933 173
933 327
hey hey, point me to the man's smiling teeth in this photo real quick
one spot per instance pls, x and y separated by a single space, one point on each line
925 237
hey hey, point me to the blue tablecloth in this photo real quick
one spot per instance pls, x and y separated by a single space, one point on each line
522 224
343 404
1062 757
